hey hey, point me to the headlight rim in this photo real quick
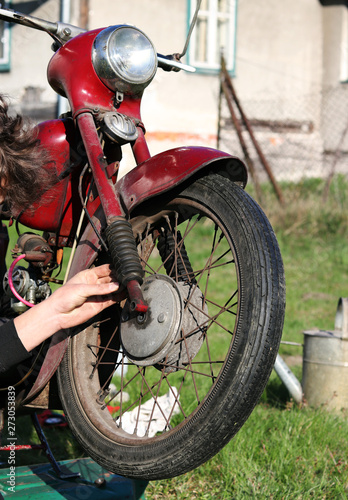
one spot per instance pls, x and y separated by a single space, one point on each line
107 70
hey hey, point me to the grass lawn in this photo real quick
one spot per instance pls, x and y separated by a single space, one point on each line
283 451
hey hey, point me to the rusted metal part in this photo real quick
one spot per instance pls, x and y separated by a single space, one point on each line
244 147
107 193
37 257
136 298
35 248
112 169
246 122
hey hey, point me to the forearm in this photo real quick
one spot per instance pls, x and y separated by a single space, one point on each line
37 324
12 350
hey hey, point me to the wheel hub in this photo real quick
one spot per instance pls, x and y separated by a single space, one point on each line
147 338
155 337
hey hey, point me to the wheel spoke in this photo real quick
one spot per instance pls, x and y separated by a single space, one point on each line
160 384
171 246
217 260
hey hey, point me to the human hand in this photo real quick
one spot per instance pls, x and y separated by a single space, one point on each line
83 296
80 299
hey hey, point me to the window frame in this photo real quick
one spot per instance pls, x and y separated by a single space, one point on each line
344 48
5 62
211 66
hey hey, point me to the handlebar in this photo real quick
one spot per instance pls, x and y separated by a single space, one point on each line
172 63
63 32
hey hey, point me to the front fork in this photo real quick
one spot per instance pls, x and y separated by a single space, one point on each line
119 233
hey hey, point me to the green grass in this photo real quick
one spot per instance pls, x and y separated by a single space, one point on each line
281 454
283 451
313 238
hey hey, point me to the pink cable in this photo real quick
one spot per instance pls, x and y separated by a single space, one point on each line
10 281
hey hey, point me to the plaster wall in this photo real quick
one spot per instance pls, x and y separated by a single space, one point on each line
30 53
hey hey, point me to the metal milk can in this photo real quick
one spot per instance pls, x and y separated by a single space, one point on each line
325 363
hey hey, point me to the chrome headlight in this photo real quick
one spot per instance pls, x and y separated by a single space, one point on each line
124 59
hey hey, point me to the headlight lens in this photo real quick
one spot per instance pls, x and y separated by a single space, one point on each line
124 59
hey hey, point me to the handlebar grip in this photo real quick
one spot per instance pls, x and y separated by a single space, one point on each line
168 63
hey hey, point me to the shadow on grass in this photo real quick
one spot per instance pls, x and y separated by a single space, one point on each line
60 439
275 393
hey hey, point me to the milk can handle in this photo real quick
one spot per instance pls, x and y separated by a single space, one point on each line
341 319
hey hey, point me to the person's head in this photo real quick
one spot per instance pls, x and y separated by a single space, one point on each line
22 176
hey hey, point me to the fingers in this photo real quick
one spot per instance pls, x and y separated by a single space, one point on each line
97 289
102 301
100 274
101 271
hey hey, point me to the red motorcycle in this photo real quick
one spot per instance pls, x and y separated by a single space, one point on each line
159 383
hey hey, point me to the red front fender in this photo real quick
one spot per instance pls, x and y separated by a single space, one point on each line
170 168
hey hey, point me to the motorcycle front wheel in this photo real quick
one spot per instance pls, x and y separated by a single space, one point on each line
153 396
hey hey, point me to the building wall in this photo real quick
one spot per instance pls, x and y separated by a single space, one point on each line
26 82
279 53
288 54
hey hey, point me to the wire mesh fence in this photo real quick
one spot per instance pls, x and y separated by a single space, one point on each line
300 138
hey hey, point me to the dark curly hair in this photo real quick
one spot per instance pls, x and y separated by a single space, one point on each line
22 176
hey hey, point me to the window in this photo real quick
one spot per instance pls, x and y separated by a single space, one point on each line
4 44
215 31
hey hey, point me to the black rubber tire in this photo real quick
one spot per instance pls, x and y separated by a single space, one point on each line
252 345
